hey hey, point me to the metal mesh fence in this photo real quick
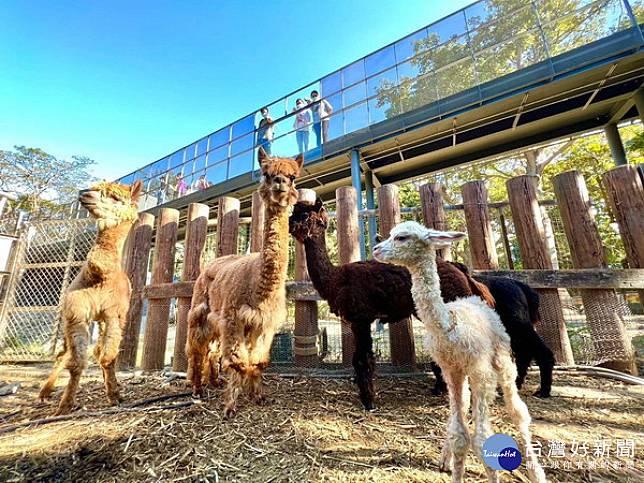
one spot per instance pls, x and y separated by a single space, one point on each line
48 257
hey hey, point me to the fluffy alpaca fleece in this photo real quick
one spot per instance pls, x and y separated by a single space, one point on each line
100 291
238 300
468 341
361 292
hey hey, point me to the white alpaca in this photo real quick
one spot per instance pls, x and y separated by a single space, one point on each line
467 340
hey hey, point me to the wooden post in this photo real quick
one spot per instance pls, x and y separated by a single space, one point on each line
196 230
528 223
257 223
156 328
227 226
431 200
136 266
306 329
401 334
348 251
479 228
625 196
604 314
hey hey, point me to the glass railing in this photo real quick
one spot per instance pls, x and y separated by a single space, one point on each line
482 51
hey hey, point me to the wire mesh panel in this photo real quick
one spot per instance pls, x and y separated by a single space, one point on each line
49 256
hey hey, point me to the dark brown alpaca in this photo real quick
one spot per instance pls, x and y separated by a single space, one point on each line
100 291
361 292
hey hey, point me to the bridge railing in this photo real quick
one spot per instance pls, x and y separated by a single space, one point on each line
486 50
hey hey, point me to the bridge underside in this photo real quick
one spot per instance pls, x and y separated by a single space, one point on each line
424 140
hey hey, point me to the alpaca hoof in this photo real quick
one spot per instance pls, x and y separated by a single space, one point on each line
542 394
44 394
369 406
197 392
63 409
443 465
229 412
115 400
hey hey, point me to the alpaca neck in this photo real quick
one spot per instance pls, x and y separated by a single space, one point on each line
319 265
426 293
107 253
274 252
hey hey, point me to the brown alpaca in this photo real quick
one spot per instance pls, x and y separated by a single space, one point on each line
238 300
100 291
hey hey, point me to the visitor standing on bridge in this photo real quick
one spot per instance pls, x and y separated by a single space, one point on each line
265 131
182 186
322 109
302 125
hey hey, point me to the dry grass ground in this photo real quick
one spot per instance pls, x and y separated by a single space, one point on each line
311 430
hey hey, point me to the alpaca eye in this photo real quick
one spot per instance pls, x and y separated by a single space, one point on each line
401 238
292 178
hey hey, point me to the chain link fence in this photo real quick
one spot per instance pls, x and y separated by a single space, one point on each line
48 256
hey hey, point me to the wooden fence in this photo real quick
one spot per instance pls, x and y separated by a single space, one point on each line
597 284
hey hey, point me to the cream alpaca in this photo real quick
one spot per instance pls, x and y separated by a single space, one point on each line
238 300
467 340
100 291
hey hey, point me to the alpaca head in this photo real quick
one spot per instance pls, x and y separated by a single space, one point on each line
308 221
277 186
112 203
409 242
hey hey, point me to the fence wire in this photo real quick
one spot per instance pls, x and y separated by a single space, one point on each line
48 257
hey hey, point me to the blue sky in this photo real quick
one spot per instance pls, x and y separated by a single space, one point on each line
127 82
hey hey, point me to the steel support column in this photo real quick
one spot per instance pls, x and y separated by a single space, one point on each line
357 184
638 97
615 144
371 204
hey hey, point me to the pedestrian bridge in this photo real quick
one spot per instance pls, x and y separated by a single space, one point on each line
493 77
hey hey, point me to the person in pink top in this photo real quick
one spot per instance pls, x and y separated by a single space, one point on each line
302 125
182 186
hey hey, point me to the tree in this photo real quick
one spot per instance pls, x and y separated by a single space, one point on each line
42 183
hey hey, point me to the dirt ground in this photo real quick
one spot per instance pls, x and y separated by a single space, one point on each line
311 430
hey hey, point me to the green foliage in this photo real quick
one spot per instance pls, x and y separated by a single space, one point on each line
42 183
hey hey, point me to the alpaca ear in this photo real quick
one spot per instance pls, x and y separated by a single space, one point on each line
262 157
300 162
136 189
443 237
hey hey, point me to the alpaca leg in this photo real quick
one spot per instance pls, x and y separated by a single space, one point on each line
480 394
546 362
235 363
211 363
200 332
522 360
458 438
440 387
77 337
109 349
518 411
364 362
59 365
260 356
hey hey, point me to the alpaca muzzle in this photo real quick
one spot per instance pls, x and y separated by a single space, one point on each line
89 198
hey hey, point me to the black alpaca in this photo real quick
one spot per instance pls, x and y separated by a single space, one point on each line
361 292
518 306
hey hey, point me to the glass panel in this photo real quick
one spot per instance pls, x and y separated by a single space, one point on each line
385 80
335 126
220 137
331 83
549 10
217 154
384 106
199 181
285 145
200 163
582 27
638 10
489 11
244 126
356 118
241 164
443 55
510 56
176 159
446 29
423 92
380 60
242 144
353 73
190 152
408 70
217 173
410 45
202 146
455 78
129 179
510 26
354 94
182 184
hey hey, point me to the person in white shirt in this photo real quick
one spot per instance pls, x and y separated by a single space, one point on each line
302 125
322 109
